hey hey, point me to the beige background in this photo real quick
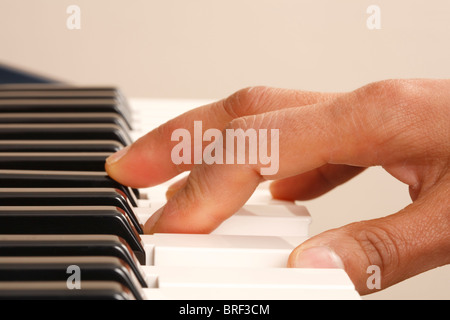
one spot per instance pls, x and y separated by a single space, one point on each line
210 48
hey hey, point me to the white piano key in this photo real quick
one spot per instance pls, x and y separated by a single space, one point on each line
248 283
249 294
239 278
144 203
279 220
208 250
267 220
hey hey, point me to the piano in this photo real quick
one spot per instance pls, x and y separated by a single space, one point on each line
68 231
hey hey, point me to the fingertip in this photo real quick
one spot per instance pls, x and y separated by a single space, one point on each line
137 167
275 190
115 158
117 167
284 190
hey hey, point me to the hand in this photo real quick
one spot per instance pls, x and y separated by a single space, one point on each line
325 140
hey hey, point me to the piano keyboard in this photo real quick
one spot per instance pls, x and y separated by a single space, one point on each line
60 212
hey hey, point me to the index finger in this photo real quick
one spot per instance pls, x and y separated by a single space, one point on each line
148 161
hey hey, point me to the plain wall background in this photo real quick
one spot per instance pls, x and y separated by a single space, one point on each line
210 48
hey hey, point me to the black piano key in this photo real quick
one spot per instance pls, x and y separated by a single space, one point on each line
70 245
57 269
69 197
59 118
60 146
61 91
71 220
89 161
65 106
50 92
55 87
64 132
63 179
57 290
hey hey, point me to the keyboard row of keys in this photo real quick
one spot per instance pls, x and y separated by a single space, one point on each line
58 206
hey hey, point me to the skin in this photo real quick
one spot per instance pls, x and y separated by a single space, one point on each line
325 140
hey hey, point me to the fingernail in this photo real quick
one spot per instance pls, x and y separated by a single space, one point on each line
316 257
117 156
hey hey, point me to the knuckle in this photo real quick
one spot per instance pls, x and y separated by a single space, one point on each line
380 247
395 95
244 101
243 123
398 107
241 142
269 120
392 88
380 87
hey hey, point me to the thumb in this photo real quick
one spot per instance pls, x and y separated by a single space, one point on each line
396 247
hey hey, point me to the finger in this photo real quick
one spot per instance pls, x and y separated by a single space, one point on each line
399 246
312 184
345 130
202 204
148 161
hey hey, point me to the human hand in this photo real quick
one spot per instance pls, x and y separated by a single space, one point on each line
325 140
